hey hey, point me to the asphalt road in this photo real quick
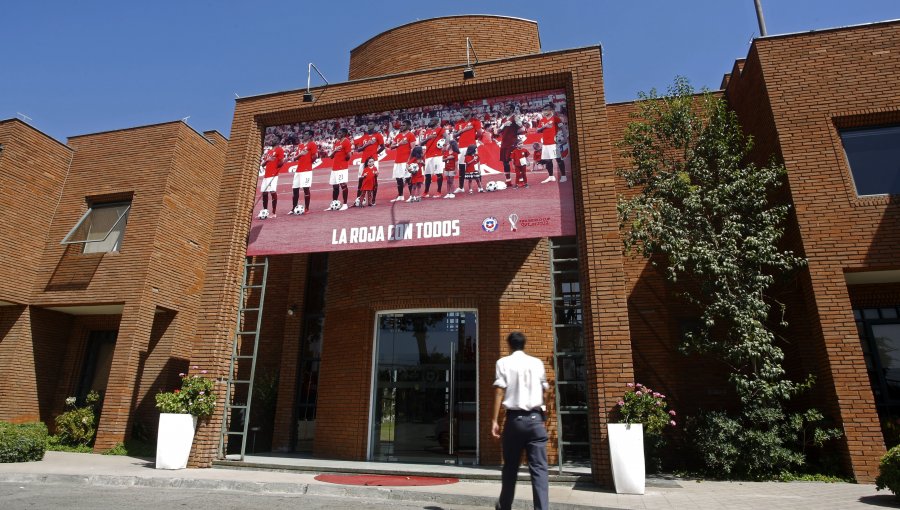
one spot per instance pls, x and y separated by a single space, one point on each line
15 496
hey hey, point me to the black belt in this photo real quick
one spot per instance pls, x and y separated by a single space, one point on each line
519 412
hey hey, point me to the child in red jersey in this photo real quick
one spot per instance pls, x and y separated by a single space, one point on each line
369 178
451 157
473 174
416 179
518 158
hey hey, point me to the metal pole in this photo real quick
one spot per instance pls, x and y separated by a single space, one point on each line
760 18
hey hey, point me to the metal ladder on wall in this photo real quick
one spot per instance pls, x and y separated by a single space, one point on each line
240 335
567 356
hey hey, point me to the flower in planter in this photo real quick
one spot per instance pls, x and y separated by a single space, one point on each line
195 397
641 404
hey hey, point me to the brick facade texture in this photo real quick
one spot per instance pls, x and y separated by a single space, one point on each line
609 358
168 172
793 94
440 42
177 287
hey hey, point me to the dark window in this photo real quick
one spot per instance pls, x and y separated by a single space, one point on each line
97 364
874 157
879 332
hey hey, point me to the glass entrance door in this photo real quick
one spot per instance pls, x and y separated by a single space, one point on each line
425 392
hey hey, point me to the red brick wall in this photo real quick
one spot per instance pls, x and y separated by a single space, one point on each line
32 171
512 295
32 349
579 71
290 350
814 83
170 172
440 42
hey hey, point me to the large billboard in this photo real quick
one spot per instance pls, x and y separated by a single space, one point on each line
485 170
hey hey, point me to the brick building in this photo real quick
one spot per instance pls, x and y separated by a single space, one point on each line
827 103
115 314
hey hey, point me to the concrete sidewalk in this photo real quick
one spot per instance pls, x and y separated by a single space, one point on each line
99 470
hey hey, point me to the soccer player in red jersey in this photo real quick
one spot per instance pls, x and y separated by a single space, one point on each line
340 157
548 126
434 161
518 157
369 179
306 154
469 129
402 143
509 131
272 162
369 145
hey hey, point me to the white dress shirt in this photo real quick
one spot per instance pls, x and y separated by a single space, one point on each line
524 379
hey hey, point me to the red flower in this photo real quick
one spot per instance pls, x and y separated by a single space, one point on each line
177 391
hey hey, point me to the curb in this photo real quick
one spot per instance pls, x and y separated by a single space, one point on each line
380 493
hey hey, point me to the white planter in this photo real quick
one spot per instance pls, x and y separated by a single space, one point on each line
174 439
626 452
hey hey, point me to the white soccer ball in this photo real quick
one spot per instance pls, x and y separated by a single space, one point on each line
491 186
299 209
335 205
413 168
441 143
499 185
263 214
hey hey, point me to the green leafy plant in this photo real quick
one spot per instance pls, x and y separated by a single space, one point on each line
117 449
54 445
195 396
24 442
889 471
704 214
641 404
77 427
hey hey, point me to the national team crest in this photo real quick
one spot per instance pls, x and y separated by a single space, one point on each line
489 224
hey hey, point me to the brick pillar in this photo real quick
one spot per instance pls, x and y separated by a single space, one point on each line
18 396
608 355
842 370
133 338
218 302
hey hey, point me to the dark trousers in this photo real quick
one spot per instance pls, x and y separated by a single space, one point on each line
524 430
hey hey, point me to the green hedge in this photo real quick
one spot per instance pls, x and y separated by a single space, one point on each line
22 443
889 471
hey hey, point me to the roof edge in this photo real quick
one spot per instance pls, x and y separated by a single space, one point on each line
370 39
829 29
420 71
13 119
143 126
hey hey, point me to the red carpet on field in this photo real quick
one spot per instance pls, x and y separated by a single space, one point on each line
385 480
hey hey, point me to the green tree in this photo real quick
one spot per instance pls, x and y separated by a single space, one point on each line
704 214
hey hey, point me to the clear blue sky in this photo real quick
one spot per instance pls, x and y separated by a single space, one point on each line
77 67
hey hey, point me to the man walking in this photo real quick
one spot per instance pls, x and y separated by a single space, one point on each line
521 384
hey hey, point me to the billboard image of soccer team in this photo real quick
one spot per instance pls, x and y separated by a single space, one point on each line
473 171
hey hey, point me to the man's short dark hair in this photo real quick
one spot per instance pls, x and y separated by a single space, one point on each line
516 340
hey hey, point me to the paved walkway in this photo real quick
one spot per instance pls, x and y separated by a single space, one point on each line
99 470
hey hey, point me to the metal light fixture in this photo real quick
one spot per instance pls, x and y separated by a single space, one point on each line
469 71
308 95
